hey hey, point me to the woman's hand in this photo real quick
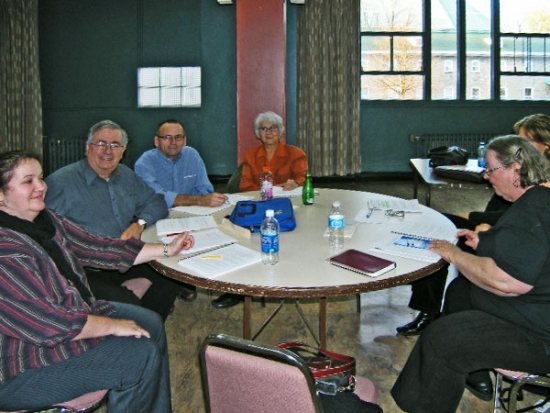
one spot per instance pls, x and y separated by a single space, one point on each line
180 243
443 248
472 238
150 252
289 185
101 326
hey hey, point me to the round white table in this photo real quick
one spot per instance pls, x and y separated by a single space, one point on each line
302 271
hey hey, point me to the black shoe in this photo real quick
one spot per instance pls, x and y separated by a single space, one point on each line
416 326
480 384
187 294
227 300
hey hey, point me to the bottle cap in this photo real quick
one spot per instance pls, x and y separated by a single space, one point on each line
265 168
336 204
269 213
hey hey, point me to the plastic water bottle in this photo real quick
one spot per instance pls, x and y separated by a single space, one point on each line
336 223
307 191
481 155
266 184
270 239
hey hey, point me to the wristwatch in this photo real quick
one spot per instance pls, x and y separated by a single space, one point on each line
141 222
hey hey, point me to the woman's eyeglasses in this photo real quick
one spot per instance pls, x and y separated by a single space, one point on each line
272 128
488 172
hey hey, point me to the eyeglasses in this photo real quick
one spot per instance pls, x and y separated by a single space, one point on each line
102 146
177 138
272 128
394 213
488 172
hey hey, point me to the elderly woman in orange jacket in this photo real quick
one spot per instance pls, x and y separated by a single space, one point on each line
287 163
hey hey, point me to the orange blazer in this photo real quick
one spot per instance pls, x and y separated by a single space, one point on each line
288 162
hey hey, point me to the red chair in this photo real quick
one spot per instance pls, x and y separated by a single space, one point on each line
240 376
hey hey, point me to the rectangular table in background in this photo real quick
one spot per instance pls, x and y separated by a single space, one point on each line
421 168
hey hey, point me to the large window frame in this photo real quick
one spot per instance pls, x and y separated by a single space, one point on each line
498 70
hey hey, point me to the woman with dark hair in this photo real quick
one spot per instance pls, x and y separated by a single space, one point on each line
498 312
57 341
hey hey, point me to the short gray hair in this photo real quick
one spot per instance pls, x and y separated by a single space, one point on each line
107 124
270 117
535 167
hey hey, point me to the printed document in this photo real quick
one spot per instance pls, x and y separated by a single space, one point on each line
221 261
411 241
232 200
173 226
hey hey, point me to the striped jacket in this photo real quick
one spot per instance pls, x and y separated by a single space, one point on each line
40 311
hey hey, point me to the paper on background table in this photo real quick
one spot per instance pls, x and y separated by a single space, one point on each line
411 205
232 257
177 225
279 192
206 240
232 199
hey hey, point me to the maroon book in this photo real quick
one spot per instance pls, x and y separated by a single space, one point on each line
362 263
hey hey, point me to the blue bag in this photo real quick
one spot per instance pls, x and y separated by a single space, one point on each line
250 214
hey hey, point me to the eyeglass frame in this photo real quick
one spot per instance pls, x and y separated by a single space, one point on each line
102 145
176 138
489 171
272 129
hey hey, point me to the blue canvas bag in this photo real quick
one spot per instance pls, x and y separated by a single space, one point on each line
250 214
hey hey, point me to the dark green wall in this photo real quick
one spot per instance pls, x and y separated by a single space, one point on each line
90 51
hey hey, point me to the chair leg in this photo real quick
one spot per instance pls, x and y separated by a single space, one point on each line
498 389
358 303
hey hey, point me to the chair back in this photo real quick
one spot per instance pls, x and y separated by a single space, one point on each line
240 376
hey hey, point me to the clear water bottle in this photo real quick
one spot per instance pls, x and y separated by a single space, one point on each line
336 223
270 239
307 191
266 183
481 155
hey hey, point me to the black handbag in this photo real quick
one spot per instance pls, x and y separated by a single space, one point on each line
448 155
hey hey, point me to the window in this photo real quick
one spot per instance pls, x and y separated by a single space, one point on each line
420 55
503 93
169 87
475 93
449 92
527 93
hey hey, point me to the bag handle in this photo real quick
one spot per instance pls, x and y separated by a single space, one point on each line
348 361
242 213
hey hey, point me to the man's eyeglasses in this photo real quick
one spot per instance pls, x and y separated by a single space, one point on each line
272 128
177 138
488 172
102 146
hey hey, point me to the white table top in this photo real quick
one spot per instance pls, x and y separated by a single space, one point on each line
302 270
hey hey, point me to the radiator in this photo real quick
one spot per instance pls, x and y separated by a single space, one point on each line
61 152
468 141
